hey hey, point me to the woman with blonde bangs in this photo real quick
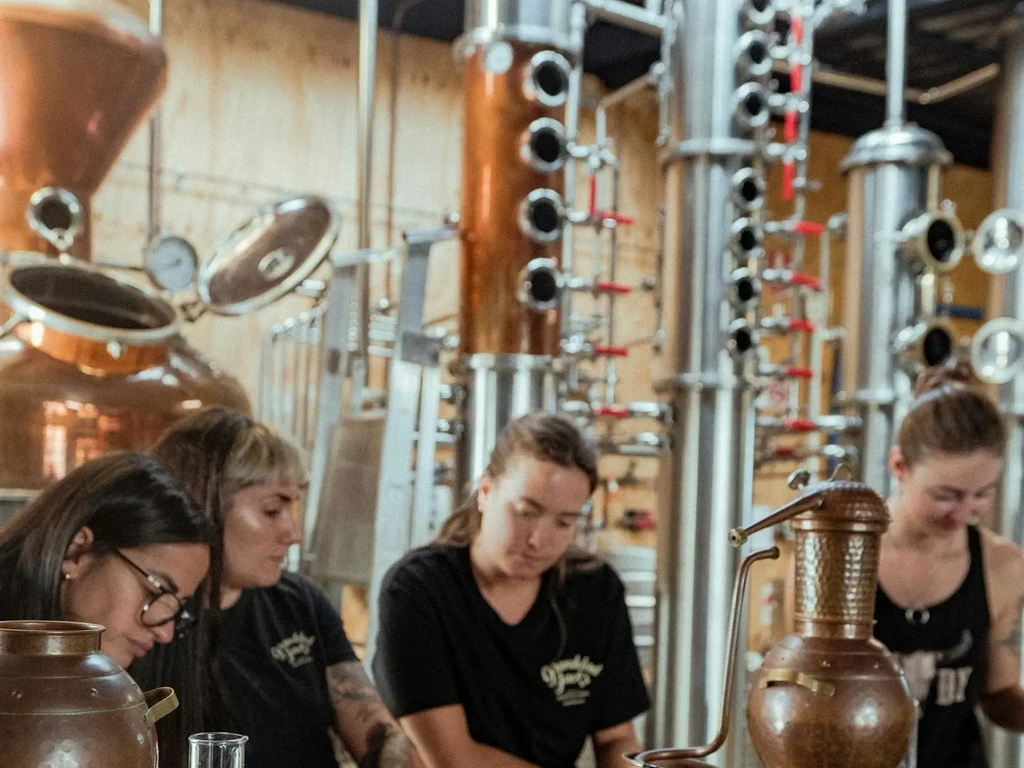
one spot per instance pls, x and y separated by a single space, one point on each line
501 644
951 592
280 669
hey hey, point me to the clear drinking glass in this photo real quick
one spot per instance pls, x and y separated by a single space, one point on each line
216 750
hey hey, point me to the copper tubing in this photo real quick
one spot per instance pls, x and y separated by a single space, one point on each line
496 182
647 759
80 77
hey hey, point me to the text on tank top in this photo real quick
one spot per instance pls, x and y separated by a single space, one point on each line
943 649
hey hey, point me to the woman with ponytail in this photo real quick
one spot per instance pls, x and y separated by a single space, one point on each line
500 644
951 592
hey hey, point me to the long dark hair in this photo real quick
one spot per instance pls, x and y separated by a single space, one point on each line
949 415
125 498
214 453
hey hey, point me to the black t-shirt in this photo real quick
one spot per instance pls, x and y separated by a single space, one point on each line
945 659
536 689
275 647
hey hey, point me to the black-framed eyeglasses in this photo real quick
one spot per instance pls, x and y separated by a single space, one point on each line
164 606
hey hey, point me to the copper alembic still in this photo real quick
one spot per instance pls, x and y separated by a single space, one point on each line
64 703
829 694
91 359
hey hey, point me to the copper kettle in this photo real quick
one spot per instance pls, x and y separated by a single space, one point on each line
64 703
829 694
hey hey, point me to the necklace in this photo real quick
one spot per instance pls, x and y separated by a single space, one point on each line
917 618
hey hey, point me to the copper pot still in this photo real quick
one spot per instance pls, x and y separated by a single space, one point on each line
829 694
90 360
64 703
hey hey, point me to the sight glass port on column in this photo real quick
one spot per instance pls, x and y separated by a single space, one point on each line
56 215
748 189
543 145
744 291
542 216
742 339
934 240
923 346
547 79
746 239
542 285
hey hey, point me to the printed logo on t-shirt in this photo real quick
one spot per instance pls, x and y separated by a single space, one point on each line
294 650
569 679
922 668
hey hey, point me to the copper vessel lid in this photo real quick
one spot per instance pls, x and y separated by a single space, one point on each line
843 502
86 302
268 256
49 638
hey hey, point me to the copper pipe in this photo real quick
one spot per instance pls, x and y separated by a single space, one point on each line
646 759
87 72
496 184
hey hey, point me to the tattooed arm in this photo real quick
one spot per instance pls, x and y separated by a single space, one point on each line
367 729
1003 698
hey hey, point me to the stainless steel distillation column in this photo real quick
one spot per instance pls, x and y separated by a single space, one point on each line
705 480
899 240
1005 749
517 61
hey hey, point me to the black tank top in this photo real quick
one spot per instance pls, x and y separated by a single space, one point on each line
944 652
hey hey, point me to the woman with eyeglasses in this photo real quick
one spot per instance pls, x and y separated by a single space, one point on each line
281 669
117 543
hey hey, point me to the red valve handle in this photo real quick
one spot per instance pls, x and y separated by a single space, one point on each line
799 425
607 286
612 411
789 126
796 372
808 228
605 351
799 278
784 452
618 218
801 325
788 175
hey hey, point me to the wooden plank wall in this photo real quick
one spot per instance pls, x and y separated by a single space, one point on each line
262 103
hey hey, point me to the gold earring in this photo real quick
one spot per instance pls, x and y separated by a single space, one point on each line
67 577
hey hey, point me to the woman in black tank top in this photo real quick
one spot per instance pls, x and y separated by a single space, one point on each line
949 594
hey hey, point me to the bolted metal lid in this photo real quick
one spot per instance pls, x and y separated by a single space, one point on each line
907 144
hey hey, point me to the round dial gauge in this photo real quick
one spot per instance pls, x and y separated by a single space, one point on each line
171 263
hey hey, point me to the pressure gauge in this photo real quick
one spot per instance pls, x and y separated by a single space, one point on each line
171 262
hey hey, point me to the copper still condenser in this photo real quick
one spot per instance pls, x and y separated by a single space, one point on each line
90 360
829 694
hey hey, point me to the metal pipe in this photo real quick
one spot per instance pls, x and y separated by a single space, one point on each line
895 63
577 28
1008 165
712 398
153 225
626 15
396 25
364 166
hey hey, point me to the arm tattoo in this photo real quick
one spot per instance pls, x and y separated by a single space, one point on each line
380 741
1013 639
350 688
388 748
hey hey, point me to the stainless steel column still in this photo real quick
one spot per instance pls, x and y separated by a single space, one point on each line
705 481
1005 749
898 241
